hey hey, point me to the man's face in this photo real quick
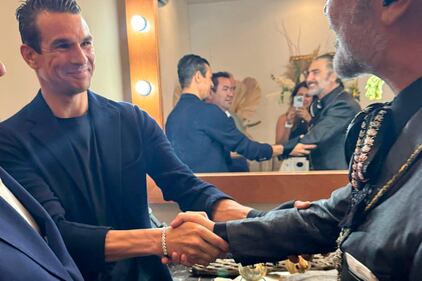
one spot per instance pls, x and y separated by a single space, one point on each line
359 42
320 79
66 63
224 94
205 83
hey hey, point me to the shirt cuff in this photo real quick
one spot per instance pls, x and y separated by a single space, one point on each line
254 213
220 228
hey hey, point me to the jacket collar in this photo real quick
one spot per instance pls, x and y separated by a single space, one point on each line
330 97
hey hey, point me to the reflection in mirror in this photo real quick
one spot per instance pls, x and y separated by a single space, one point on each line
248 38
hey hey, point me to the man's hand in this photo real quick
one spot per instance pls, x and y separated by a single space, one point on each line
197 242
200 219
277 149
302 149
302 204
227 209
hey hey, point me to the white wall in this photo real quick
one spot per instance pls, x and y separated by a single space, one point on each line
20 84
243 37
174 43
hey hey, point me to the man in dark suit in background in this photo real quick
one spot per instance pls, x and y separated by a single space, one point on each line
31 247
201 133
85 159
222 95
332 113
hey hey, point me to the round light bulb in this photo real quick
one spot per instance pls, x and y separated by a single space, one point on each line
143 87
139 23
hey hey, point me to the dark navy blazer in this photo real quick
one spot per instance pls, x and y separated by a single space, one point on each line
202 135
24 254
37 153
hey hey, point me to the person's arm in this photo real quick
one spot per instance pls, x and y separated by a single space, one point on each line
92 246
200 244
174 178
335 122
286 232
281 233
223 130
284 127
177 181
226 209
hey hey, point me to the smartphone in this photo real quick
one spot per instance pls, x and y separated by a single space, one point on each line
298 101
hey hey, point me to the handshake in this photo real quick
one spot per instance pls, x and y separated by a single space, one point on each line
190 240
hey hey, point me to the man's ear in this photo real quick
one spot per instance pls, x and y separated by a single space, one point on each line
333 76
29 55
394 11
197 76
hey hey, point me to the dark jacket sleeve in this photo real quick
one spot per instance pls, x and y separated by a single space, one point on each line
333 123
80 239
223 129
289 231
175 179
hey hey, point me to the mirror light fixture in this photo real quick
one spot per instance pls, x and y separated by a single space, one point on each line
143 87
139 23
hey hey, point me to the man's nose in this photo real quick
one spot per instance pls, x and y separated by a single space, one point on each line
309 78
79 56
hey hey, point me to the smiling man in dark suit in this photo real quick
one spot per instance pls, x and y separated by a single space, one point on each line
86 158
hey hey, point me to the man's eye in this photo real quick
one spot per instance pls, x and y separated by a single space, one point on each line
63 46
87 43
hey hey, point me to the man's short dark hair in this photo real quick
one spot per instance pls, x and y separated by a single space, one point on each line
188 65
27 14
215 76
329 58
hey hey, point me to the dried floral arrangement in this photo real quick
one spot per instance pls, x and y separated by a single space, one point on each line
296 68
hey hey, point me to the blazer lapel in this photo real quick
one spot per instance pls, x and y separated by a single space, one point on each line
52 256
47 130
401 150
107 127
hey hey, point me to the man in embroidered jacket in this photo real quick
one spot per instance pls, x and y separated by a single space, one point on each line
380 211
